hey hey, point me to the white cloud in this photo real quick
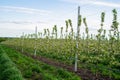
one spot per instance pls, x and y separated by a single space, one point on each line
106 4
22 22
79 1
95 2
25 10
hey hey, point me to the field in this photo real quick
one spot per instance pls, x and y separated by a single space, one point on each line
47 56
104 62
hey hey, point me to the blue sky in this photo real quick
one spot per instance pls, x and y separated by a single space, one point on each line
17 16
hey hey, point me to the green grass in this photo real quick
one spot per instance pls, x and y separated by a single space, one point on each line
8 70
35 70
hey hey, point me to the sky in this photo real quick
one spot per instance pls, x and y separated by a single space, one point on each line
18 16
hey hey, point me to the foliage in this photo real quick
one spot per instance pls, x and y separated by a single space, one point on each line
3 39
8 70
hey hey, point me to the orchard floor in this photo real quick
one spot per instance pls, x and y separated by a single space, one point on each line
83 73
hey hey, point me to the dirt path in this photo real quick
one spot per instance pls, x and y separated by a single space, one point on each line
83 73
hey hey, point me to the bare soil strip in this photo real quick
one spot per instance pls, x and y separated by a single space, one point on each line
83 73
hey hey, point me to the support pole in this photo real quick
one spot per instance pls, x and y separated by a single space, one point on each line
35 41
77 41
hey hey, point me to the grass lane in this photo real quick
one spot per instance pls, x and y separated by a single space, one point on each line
36 70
